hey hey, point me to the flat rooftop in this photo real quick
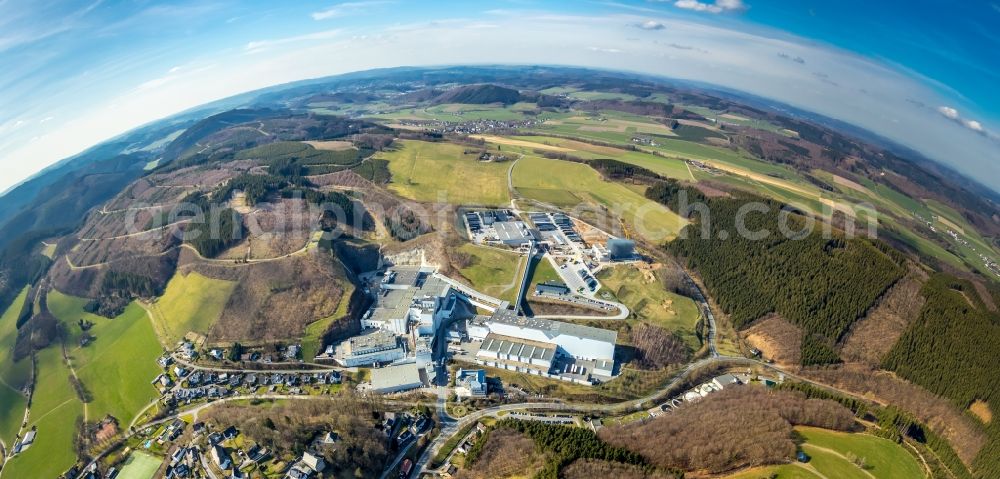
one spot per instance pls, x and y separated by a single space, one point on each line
497 343
368 342
509 231
395 375
554 328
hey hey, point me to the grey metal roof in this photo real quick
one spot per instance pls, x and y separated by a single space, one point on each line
368 342
555 328
395 375
506 345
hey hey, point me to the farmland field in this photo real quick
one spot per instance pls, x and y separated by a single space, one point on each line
884 459
738 120
669 167
651 303
789 471
54 411
492 271
119 365
140 466
651 220
191 302
827 449
12 375
555 197
430 172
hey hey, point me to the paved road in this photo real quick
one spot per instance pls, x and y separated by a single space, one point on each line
469 292
703 304
633 405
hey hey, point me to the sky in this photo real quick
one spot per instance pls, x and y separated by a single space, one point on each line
923 73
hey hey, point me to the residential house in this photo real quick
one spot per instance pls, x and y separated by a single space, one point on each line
221 457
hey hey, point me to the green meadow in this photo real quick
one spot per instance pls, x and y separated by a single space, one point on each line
54 411
651 303
668 167
492 271
191 302
649 219
13 376
432 172
832 455
119 365
883 459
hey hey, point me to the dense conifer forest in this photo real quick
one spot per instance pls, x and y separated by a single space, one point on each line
211 236
566 444
821 284
952 350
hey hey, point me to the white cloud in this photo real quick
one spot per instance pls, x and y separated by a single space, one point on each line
949 112
973 125
739 60
651 25
718 6
46 119
256 46
346 8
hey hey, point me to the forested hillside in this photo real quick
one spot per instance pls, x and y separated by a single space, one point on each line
823 285
952 350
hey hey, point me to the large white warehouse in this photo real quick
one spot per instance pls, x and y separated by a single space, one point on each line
571 340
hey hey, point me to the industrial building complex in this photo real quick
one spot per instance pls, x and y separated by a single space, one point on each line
544 347
415 309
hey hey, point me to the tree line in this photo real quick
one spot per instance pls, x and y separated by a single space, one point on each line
741 426
565 444
952 351
821 284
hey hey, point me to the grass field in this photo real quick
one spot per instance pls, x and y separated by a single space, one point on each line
432 172
652 303
493 271
118 366
789 471
455 112
54 411
600 95
669 167
12 376
52 452
140 466
828 451
651 220
738 120
544 272
884 459
925 246
190 303
563 198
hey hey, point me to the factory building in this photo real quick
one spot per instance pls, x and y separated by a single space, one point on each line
543 347
572 340
396 378
370 347
409 295
505 352
621 250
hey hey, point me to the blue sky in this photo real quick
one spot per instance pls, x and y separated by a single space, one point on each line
920 72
